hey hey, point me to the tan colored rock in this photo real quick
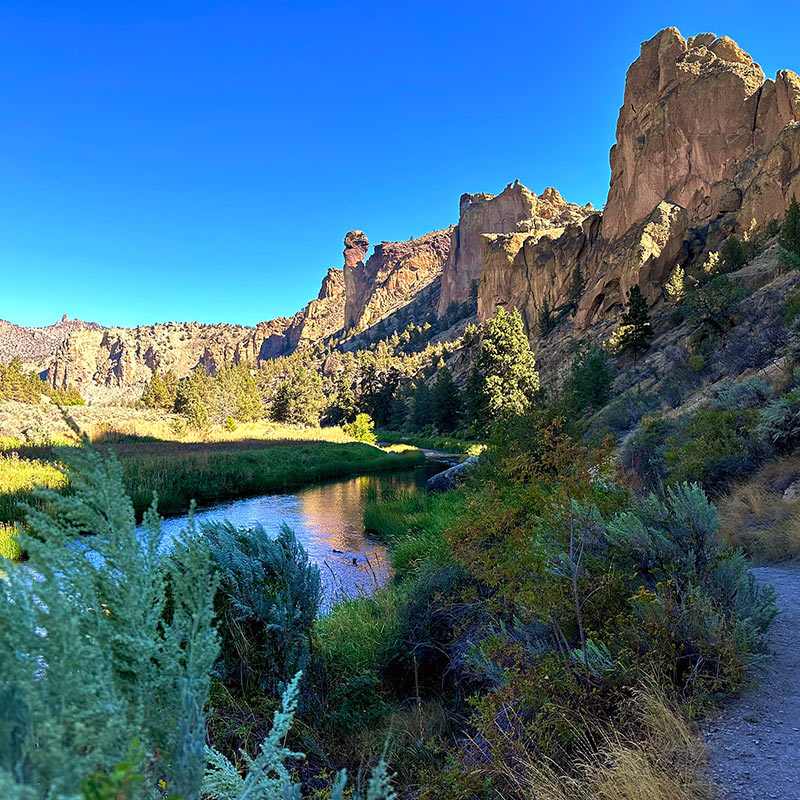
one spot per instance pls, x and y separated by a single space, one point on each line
322 317
391 276
529 271
787 85
515 210
686 126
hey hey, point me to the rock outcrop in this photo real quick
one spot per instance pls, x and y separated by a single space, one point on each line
322 317
391 276
705 145
696 126
35 346
515 210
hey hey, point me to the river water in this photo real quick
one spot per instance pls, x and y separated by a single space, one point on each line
328 519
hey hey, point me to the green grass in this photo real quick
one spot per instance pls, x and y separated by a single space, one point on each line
18 479
9 546
413 523
204 471
446 444
350 638
207 474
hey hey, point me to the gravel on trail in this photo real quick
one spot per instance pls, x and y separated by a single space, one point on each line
754 744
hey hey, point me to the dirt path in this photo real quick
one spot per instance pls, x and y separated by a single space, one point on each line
754 745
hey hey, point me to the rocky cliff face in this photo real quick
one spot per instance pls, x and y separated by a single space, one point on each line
35 346
704 146
391 276
515 210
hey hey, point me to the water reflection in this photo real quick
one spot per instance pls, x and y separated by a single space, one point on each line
328 519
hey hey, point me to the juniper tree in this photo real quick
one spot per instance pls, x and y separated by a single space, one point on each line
507 364
447 405
636 330
790 232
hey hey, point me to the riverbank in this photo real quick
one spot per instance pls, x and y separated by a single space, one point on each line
224 465
440 444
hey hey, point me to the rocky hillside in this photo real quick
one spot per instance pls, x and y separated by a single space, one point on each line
705 146
35 346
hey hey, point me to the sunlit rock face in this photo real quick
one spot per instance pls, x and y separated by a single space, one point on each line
697 127
391 276
705 145
516 210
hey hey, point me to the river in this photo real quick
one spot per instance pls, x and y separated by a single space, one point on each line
328 519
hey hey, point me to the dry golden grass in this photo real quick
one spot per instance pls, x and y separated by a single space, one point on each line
755 517
663 760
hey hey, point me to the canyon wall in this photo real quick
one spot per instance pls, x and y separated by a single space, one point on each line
515 210
391 276
704 146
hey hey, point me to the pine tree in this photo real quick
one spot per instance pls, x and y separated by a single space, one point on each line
507 364
422 408
637 332
576 289
447 405
790 233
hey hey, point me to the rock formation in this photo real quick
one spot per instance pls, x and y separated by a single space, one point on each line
35 346
696 125
391 276
704 146
515 210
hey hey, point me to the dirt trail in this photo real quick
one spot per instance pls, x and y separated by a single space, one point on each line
754 745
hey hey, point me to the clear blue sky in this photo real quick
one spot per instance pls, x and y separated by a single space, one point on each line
178 161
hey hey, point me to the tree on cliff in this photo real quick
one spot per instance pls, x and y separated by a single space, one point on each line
790 233
636 332
508 365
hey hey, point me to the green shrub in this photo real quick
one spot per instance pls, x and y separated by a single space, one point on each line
229 424
268 598
746 393
589 381
696 362
117 664
780 420
643 451
109 703
361 428
791 310
710 309
625 411
712 446
790 230
732 254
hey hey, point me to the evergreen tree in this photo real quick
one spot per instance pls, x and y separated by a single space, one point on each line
422 408
546 321
589 382
447 405
790 233
236 395
193 397
162 391
507 364
636 330
576 289
732 254
299 399
475 408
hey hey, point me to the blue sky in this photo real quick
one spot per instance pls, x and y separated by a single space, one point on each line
179 161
